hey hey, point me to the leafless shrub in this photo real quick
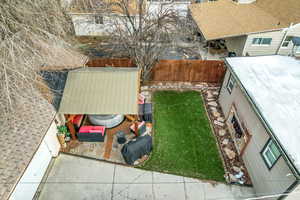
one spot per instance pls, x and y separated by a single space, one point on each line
142 33
33 35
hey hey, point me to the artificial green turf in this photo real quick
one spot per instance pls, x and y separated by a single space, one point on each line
183 140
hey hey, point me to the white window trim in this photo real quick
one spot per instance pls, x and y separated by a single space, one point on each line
259 45
289 42
297 49
265 157
230 80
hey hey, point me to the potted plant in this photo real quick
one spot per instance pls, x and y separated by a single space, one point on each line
68 137
62 132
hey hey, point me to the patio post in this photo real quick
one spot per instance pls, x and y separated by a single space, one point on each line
71 127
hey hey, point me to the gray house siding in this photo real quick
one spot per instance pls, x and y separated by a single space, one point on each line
236 44
255 50
295 194
265 181
293 31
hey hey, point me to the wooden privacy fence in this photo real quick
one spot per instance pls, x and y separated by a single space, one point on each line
210 71
114 62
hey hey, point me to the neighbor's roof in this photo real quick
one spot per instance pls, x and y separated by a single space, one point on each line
101 6
101 90
225 18
20 137
273 85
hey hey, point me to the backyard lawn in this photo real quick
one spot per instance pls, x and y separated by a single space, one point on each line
183 140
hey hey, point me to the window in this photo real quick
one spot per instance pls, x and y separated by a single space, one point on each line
98 19
261 41
270 153
230 83
286 41
297 49
236 126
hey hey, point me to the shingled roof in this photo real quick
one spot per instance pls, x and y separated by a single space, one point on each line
20 137
225 18
101 6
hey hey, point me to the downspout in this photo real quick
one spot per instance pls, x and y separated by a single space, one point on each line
265 123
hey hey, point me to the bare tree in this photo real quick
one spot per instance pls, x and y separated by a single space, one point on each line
143 34
33 35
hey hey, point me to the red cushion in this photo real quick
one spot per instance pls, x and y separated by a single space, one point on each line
92 129
77 120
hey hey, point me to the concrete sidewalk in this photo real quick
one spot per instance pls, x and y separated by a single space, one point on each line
78 178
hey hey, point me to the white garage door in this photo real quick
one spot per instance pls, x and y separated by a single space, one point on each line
33 175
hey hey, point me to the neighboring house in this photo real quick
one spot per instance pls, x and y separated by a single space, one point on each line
250 27
260 100
93 18
89 18
28 143
179 6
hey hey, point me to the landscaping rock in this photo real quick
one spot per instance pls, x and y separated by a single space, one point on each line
236 169
213 108
216 113
220 119
209 94
215 93
213 103
145 93
225 141
222 132
210 99
199 85
160 84
218 123
230 154
232 178
144 87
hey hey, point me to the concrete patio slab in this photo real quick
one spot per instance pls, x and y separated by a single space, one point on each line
76 178
133 191
174 191
132 175
195 191
166 178
219 191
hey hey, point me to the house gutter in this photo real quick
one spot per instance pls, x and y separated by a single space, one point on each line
266 124
243 34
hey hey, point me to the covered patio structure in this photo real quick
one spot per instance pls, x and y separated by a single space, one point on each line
100 91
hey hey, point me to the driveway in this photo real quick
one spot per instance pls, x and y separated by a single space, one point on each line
75 178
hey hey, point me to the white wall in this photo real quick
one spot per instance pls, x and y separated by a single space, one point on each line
256 50
51 140
84 24
30 180
292 31
181 7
